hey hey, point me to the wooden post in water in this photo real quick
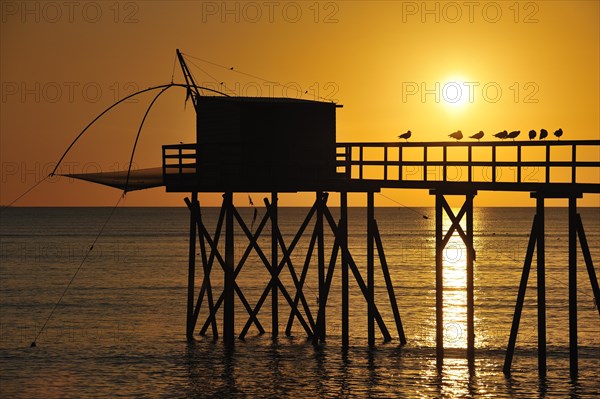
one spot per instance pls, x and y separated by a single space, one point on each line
439 280
541 286
321 322
370 269
470 280
343 237
512 340
573 366
228 286
274 264
193 208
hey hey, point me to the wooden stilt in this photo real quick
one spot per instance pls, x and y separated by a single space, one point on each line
328 279
585 249
541 287
370 269
274 261
389 285
359 280
321 321
215 254
204 236
573 355
468 240
520 297
192 266
439 280
228 284
309 252
205 288
286 253
286 260
343 236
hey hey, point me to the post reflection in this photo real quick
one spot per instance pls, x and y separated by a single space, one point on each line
455 378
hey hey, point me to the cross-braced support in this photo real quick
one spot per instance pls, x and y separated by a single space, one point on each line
536 242
441 206
281 258
340 233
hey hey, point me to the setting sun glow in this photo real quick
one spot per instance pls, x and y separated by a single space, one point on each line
456 93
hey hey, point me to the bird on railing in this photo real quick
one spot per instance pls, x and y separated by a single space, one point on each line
513 134
532 134
456 135
405 136
477 136
558 133
543 134
501 135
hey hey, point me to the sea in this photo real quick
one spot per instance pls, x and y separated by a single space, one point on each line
119 330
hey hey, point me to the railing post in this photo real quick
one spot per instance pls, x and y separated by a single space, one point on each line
424 163
470 160
164 162
518 163
547 163
445 159
180 161
385 162
493 163
360 162
400 162
574 164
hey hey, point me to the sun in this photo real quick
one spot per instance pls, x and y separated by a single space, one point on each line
456 93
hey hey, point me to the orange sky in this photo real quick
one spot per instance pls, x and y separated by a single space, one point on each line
63 64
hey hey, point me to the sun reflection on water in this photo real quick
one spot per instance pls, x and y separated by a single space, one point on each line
455 294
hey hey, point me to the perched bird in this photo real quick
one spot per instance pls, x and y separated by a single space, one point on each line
558 133
543 134
456 135
513 134
501 135
532 134
405 136
477 136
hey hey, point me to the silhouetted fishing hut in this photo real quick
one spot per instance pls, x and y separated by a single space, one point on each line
276 145
247 144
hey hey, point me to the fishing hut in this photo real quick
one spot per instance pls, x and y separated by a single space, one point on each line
272 145
277 145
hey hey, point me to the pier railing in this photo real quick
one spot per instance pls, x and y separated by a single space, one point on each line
179 159
509 165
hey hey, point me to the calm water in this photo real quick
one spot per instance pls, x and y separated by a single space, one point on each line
120 330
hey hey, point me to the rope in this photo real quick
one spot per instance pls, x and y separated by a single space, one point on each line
212 77
407 207
22 195
232 69
173 71
33 344
137 138
165 86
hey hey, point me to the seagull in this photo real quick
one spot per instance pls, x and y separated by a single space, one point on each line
405 136
501 135
558 133
456 135
532 134
477 136
543 134
513 134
